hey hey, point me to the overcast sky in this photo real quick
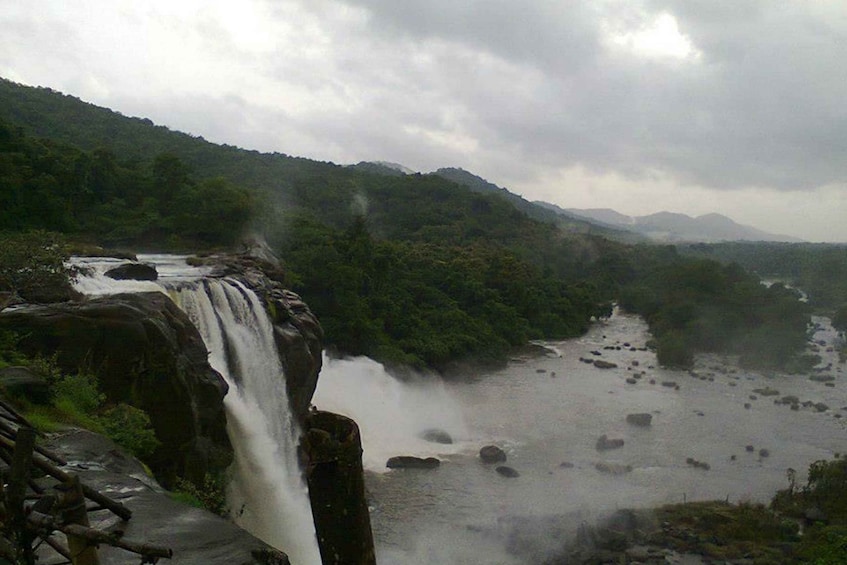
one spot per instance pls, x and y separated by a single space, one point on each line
694 106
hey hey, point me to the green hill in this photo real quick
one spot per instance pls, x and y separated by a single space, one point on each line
411 268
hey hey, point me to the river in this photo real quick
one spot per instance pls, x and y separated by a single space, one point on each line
547 412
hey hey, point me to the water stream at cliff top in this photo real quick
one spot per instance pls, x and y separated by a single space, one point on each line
266 495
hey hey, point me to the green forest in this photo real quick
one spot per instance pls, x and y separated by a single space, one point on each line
411 269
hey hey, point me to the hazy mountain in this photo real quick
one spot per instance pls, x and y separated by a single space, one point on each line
382 168
537 210
669 226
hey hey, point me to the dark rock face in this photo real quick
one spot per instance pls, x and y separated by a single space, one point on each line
196 536
412 462
492 454
21 382
298 334
133 271
333 451
145 352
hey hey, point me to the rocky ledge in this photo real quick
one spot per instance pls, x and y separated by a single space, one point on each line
146 353
197 537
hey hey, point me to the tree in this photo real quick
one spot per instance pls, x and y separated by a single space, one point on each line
32 265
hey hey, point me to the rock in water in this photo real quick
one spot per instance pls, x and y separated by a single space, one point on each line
336 481
437 436
492 454
604 443
133 271
411 462
507 472
612 468
642 420
600 364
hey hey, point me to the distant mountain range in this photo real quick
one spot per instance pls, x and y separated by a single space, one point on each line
673 227
662 226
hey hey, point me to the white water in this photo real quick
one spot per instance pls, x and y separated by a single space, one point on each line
267 495
391 414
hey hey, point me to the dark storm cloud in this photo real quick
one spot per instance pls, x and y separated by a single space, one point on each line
761 104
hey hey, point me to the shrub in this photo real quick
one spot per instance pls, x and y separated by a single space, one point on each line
130 428
211 495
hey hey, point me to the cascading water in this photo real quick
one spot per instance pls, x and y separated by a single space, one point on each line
266 495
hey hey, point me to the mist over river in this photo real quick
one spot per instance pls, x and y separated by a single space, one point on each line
548 409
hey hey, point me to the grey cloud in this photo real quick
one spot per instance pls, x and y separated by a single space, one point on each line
762 106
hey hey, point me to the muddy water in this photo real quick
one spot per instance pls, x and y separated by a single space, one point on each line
547 412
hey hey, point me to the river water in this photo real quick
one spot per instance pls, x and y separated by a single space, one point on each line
548 409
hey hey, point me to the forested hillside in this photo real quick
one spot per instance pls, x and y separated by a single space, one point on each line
818 269
413 269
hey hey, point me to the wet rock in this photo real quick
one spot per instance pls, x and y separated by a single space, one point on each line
749 448
642 420
764 453
767 391
333 451
632 381
600 364
492 454
436 435
566 465
670 384
133 271
822 378
507 472
789 399
698 464
412 462
613 468
821 407
145 352
21 382
604 443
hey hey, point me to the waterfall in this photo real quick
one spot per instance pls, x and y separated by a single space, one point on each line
266 494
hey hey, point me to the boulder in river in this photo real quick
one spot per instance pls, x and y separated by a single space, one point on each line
435 435
507 472
642 420
412 462
133 271
612 468
604 443
492 454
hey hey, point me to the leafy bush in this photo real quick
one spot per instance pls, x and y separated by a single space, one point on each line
130 428
211 495
33 266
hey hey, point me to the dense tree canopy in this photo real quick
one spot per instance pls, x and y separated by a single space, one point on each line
408 268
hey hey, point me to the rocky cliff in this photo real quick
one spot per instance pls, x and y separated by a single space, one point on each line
297 332
145 352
